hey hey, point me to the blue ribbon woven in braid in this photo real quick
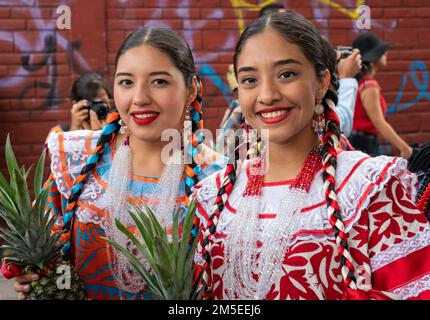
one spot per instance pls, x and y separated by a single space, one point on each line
107 130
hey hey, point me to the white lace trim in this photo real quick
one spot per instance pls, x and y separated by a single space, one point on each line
400 250
364 179
75 156
414 288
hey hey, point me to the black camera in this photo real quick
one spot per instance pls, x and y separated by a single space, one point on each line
344 51
100 107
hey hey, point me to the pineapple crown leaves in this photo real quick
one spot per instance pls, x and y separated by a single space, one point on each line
14 195
171 262
28 229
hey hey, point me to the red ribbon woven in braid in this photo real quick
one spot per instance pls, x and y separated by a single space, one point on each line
335 219
424 200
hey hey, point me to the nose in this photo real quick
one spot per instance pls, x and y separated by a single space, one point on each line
269 92
141 96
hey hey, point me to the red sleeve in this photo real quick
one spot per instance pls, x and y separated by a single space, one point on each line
368 84
399 244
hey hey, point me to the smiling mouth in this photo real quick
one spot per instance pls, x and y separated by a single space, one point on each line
144 118
145 115
273 114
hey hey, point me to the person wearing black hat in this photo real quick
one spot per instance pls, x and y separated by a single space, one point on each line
370 106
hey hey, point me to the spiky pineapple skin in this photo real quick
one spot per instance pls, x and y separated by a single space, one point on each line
46 287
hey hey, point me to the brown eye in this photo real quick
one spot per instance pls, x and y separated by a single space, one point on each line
287 75
160 82
248 80
125 83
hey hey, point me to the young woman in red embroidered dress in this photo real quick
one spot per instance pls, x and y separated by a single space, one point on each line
320 223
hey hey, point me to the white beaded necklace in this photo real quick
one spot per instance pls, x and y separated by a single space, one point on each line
251 268
162 201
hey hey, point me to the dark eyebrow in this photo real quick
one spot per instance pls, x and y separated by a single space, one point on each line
245 69
155 73
119 74
287 61
160 73
276 64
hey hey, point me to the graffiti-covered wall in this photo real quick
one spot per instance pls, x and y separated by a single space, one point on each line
39 61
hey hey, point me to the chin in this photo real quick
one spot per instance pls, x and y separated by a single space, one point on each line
147 135
279 136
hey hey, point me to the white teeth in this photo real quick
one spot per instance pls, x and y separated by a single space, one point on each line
275 114
145 115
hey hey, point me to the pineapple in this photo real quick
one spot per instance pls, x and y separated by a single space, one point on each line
171 262
29 242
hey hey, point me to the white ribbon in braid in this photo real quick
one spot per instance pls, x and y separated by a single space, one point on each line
333 196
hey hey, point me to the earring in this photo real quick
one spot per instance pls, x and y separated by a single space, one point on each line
187 130
250 137
187 120
319 124
123 128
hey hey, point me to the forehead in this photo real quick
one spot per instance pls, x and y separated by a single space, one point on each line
268 47
145 58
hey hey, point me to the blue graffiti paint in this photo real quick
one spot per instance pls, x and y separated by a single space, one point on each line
421 86
208 71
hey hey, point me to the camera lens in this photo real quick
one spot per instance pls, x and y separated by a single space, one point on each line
100 108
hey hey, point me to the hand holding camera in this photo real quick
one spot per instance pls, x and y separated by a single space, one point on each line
349 62
88 114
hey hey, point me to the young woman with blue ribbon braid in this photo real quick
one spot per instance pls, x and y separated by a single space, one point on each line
306 220
96 173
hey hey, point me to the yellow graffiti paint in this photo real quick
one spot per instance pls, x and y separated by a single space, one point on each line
239 5
354 14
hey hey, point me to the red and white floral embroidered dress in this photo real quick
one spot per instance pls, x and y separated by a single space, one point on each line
388 237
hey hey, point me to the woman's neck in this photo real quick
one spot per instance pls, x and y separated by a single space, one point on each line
371 72
146 157
286 159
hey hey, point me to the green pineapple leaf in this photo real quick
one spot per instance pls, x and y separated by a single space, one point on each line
135 241
166 266
26 172
21 192
159 231
142 223
4 185
140 268
175 237
10 158
171 271
38 175
8 202
183 244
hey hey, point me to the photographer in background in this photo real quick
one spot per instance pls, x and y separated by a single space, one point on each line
370 106
90 103
348 66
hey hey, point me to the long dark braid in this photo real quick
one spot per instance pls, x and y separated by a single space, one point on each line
227 184
330 143
107 137
423 197
193 170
